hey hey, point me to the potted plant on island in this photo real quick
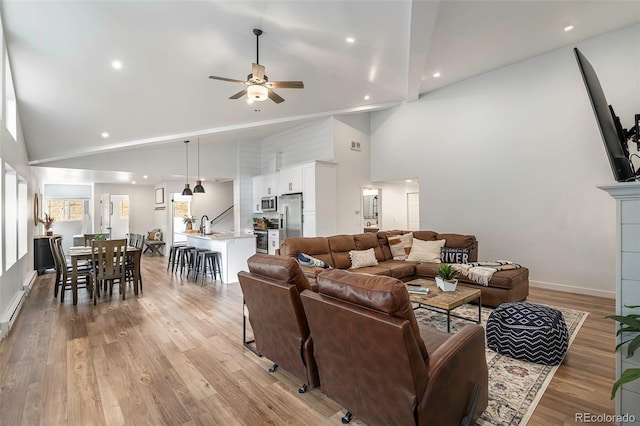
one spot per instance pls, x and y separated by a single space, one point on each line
629 323
446 277
188 221
48 223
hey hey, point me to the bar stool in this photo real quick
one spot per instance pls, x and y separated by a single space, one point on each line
192 257
173 258
195 257
210 259
183 255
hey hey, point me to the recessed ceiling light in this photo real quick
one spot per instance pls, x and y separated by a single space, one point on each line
145 177
350 40
568 28
436 74
104 134
367 97
133 182
116 64
408 181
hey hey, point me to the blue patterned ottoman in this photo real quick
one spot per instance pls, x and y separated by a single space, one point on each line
528 332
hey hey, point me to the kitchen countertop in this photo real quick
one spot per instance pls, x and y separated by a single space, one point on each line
218 235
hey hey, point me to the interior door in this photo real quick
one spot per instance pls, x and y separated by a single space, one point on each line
180 206
105 213
120 216
413 211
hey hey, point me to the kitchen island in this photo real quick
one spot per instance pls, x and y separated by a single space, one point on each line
235 249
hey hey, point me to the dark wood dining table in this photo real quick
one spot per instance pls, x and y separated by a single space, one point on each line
80 253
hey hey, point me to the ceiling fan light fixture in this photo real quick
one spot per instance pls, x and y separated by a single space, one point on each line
257 93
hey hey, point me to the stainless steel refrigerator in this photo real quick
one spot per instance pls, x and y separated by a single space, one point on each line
290 209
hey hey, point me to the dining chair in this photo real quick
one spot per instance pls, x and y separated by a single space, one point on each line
64 270
109 259
56 262
137 241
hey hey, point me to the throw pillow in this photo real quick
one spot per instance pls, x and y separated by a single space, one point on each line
455 255
426 251
400 245
157 236
362 258
306 260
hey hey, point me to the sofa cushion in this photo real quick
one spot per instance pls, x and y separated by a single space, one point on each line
399 268
317 247
369 240
362 258
500 279
383 294
279 268
400 245
340 246
426 235
373 270
425 251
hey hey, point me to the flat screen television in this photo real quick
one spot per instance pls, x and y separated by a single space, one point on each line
613 135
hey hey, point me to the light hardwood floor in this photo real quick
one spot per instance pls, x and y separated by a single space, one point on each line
173 356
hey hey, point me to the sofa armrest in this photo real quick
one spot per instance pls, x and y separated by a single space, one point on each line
455 370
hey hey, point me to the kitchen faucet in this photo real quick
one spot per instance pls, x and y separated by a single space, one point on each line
201 229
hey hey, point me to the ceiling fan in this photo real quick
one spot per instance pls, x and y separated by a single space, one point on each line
259 88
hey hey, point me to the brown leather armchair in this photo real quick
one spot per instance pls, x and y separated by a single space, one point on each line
376 361
271 291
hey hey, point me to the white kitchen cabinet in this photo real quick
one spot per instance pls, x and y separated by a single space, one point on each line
290 180
269 185
257 194
273 240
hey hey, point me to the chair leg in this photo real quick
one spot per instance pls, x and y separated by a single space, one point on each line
303 388
347 417
273 368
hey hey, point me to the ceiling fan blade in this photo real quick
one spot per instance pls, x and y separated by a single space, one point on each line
233 80
239 94
275 97
258 71
287 84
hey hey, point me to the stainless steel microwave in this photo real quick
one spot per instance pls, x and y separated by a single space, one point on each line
269 204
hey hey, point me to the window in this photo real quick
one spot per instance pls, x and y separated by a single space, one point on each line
181 209
11 110
123 209
10 215
23 214
61 209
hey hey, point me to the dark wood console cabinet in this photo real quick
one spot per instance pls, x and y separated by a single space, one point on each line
42 256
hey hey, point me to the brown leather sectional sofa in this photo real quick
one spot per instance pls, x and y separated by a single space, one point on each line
504 286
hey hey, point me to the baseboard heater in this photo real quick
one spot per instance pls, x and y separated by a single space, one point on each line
10 315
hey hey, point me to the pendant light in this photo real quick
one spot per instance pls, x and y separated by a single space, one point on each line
198 189
187 190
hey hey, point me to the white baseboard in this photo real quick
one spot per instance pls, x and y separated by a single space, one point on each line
9 316
573 289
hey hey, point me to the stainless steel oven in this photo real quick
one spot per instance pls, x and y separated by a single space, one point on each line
262 241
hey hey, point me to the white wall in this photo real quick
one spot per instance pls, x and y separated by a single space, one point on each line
217 198
393 208
353 169
514 156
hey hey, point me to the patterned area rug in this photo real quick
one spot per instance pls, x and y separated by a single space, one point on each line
515 387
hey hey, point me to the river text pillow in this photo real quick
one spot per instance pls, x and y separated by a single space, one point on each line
455 255
426 251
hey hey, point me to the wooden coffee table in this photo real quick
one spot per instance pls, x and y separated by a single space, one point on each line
444 301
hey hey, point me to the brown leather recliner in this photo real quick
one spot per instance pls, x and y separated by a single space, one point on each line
271 291
376 361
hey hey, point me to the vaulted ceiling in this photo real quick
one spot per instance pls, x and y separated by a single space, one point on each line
68 93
